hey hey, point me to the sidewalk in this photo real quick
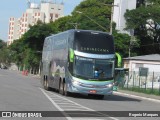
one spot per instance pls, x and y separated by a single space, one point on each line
139 94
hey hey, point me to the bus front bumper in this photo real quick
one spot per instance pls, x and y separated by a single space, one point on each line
87 90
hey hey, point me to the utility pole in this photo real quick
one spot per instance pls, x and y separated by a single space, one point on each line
75 25
112 9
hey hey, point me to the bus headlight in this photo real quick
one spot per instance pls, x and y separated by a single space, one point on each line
109 85
74 82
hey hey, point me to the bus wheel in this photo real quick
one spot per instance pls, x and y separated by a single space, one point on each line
100 96
61 87
46 85
65 90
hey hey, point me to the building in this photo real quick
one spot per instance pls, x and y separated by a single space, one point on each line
152 62
13 29
119 11
46 12
144 71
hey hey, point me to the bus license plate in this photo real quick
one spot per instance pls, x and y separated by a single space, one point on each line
93 91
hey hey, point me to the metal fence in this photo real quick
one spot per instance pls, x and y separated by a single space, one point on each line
133 81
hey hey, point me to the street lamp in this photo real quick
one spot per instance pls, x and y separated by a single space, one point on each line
91 20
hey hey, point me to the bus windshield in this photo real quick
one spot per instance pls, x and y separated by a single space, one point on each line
93 68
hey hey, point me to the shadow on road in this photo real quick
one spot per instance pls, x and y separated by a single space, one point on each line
96 97
106 98
120 98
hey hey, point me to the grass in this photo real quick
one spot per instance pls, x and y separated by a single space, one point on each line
143 90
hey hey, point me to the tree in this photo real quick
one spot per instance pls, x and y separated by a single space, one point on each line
27 50
17 52
34 37
62 24
146 22
93 10
4 54
2 44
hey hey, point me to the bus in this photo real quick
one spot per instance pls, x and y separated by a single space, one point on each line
79 61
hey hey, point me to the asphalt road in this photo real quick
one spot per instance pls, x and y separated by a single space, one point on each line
25 93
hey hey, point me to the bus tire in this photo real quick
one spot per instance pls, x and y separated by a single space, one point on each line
65 89
46 84
61 90
66 93
100 96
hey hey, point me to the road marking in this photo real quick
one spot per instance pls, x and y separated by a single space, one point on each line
60 105
135 96
68 118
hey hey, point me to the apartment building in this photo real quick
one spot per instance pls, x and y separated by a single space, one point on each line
13 29
46 12
119 11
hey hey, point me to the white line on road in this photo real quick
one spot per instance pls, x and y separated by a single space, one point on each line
135 96
68 118
65 99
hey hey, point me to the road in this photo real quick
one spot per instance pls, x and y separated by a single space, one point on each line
25 93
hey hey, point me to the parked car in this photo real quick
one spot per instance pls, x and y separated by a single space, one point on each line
3 67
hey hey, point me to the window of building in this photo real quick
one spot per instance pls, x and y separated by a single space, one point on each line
56 15
51 16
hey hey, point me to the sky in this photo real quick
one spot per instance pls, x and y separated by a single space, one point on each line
15 8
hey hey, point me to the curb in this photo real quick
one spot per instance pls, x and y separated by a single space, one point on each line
138 95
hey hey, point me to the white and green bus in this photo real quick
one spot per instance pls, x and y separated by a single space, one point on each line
79 61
